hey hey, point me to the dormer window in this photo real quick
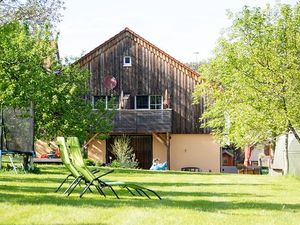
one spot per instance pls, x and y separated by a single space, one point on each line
127 61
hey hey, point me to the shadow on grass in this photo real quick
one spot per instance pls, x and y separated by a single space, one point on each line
47 190
112 202
27 193
44 195
57 181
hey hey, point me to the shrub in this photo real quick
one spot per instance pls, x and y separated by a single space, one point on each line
125 157
90 162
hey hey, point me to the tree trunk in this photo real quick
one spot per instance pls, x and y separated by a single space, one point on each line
286 156
294 132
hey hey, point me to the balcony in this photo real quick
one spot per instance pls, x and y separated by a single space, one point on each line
143 121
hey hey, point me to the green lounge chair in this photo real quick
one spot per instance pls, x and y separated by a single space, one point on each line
66 161
73 172
92 180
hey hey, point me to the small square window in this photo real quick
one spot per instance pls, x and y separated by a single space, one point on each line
126 61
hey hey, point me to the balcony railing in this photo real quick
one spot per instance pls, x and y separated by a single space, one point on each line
143 121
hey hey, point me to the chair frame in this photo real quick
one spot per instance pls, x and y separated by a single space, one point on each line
92 180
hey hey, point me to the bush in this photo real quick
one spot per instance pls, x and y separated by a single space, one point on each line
115 164
125 157
90 162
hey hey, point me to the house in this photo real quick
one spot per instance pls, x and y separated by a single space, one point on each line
153 93
228 158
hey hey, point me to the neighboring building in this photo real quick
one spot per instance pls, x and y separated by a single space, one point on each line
154 103
228 158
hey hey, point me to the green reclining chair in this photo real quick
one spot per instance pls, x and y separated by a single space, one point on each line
92 180
64 154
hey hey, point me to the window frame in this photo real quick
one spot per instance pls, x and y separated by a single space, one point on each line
156 104
149 102
127 64
106 101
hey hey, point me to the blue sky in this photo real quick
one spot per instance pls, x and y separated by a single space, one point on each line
185 29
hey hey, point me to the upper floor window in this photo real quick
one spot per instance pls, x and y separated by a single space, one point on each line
127 61
156 102
142 102
110 102
148 102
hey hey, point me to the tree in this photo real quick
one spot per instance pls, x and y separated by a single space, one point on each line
196 65
32 12
253 82
30 73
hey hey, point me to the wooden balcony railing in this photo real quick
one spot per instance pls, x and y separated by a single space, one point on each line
143 121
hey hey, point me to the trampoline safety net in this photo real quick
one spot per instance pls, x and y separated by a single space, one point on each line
17 130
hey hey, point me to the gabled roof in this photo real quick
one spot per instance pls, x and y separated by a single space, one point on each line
227 152
95 52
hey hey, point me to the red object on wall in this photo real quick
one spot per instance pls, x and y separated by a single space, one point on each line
109 82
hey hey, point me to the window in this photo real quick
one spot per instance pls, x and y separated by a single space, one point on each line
141 102
148 102
225 161
110 102
155 102
127 61
95 100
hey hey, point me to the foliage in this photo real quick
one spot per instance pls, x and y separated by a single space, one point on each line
252 84
115 164
90 162
64 111
196 65
124 153
32 12
31 73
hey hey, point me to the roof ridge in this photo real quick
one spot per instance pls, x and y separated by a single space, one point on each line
101 45
126 29
160 50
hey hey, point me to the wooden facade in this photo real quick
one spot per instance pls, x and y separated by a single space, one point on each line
152 72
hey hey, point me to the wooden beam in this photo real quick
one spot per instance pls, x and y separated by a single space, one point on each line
89 141
160 139
168 151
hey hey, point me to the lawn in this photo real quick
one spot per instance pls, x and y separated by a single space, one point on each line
188 198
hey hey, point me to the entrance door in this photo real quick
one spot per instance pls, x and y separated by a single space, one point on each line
142 147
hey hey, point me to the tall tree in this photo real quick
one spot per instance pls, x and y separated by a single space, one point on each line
32 12
30 73
253 80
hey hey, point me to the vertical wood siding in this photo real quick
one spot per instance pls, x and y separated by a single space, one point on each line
151 73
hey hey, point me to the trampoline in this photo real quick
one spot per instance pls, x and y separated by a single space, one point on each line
16 137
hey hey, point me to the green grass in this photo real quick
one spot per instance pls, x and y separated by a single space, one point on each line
188 198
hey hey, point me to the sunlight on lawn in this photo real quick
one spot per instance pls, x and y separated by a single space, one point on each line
188 198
